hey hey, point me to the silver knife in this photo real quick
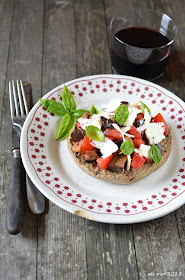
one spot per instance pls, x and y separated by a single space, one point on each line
36 199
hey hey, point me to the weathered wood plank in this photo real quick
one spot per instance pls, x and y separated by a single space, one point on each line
157 244
91 38
106 244
18 253
158 248
70 247
61 239
119 252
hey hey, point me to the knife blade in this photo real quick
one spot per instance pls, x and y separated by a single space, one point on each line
36 199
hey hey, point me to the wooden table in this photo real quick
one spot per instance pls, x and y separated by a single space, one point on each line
48 43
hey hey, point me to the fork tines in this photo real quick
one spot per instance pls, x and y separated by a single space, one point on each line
18 104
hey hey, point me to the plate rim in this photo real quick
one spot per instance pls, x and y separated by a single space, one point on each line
66 204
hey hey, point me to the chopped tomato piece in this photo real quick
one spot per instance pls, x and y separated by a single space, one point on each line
133 130
104 162
113 134
137 161
138 142
78 125
138 106
140 116
86 144
159 118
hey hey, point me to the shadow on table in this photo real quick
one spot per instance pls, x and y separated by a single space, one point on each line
34 225
175 67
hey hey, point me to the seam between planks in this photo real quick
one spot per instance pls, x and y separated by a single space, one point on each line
8 55
43 24
180 240
41 87
135 252
107 32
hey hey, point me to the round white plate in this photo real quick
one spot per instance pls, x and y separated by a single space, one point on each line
52 169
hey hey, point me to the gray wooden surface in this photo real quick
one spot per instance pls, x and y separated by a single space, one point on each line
49 42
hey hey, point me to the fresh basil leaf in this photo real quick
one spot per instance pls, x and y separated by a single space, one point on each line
143 105
66 125
79 113
93 110
155 153
68 99
53 106
121 114
127 147
95 133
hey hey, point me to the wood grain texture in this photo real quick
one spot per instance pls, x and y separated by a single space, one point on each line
18 253
158 243
61 235
91 38
47 43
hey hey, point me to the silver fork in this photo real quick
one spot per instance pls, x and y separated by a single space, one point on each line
18 106
19 182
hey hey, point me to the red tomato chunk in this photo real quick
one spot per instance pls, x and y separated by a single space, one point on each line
133 130
137 161
104 162
138 142
113 134
86 144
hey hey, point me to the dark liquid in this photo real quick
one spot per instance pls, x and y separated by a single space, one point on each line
139 58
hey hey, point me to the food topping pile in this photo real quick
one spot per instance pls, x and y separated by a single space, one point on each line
120 136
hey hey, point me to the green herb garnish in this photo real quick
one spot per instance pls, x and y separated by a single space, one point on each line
66 109
78 113
54 107
155 153
66 125
143 105
121 114
95 133
93 110
127 147
68 100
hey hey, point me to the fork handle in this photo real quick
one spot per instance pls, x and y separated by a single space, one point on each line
17 195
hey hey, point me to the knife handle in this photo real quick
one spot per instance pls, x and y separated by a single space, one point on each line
17 195
36 199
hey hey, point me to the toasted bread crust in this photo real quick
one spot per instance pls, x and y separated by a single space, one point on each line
129 176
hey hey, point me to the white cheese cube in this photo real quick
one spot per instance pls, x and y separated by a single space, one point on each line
106 147
155 133
143 151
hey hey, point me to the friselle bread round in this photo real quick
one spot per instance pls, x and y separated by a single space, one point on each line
128 176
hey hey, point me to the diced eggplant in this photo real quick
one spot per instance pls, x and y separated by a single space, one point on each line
125 103
86 115
145 139
119 142
106 123
77 147
159 146
117 164
139 123
77 135
89 156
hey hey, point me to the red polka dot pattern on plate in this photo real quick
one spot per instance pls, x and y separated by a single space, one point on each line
42 121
